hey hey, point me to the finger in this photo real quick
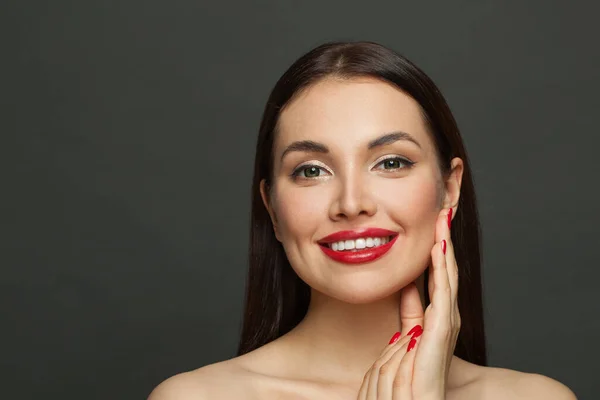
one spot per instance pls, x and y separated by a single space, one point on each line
442 227
362 393
452 270
441 301
453 274
402 387
394 344
433 348
374 372
439 313
388 371
391 348
443 233
411 308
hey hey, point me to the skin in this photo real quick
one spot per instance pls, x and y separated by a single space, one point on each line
339 350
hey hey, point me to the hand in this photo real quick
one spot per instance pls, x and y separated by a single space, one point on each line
402 374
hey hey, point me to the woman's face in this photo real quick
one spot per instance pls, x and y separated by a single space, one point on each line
352 155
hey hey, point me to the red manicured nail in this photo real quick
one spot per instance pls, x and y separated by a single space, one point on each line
416 328
450 219
412 344
444 246
417 333
395 338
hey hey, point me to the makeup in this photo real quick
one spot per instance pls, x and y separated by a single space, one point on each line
359 245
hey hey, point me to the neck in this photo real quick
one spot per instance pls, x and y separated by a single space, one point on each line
336 334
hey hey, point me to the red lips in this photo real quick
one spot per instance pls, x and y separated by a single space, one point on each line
358 256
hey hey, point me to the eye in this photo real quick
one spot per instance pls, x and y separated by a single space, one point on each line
394 163
309 172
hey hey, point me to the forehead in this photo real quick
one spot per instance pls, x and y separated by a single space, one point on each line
350 111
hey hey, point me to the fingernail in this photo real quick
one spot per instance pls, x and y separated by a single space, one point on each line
450 219
444 246
416 328
395 338
417 333
412 344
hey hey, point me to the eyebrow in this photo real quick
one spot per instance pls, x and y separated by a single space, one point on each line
390 138
309 146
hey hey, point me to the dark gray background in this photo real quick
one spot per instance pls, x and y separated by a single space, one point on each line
128 130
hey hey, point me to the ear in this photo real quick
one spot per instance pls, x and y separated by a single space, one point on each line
264 194
452 184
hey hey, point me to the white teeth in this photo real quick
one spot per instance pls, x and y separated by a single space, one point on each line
358 244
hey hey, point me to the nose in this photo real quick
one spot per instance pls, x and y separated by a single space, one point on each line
352 200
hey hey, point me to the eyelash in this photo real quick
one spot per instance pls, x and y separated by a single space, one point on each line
408 164
296 173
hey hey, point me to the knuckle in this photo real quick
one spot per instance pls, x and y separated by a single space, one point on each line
378 365
385 369
458 323
402 375
398 382
366 378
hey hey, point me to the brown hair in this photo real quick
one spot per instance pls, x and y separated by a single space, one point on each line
276 298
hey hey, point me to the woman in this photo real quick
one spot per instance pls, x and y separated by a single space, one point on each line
364 232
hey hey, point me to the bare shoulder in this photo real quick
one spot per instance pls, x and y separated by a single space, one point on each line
501 383
223 380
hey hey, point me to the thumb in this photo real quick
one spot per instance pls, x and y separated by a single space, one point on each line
411 308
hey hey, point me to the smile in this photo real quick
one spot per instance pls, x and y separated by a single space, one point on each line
358 246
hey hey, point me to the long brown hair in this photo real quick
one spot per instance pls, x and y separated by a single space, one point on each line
276 298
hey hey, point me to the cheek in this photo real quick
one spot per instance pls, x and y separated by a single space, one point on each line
300 211
414 203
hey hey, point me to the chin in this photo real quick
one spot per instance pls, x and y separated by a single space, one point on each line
358 290
362 283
